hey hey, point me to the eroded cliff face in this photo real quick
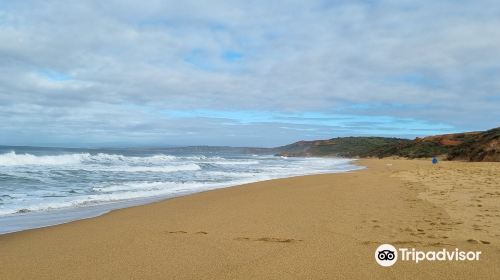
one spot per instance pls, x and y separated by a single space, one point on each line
484 146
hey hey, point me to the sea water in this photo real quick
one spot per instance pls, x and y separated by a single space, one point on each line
47 186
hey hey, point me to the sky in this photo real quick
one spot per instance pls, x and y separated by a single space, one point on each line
244 73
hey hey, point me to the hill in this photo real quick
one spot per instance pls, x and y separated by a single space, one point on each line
468 146
341 146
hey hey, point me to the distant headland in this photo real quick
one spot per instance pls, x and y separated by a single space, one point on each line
466 146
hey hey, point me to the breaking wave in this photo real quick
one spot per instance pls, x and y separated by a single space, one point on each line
35 182
14 159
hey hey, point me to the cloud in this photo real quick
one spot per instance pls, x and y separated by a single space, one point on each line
115 67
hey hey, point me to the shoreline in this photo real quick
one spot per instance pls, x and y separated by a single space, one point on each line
314 226
44 218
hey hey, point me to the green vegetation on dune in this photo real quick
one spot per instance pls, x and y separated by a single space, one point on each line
341 146
410 150
470 146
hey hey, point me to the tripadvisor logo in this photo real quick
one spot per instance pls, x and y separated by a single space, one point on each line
387 255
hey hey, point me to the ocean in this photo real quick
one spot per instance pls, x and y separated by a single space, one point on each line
47 186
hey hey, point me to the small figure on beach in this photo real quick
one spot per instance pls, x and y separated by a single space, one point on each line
434 160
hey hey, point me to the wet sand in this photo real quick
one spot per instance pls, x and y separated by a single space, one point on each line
310 227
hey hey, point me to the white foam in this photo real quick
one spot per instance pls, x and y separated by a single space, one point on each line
110 193
172 168
13 159
82 180
236 162
133 186
121 159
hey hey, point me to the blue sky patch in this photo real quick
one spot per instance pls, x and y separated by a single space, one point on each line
232 56
54 76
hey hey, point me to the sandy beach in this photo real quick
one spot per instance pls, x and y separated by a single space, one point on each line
310 227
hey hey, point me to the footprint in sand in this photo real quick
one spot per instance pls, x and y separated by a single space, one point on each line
175 232
475 241
439 244
184 232
407 229
477 227
269 239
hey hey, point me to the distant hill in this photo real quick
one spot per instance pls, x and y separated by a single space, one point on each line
341 146
468 146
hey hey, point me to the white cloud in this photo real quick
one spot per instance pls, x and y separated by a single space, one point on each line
426 60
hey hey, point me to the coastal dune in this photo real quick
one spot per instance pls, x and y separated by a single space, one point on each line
310 227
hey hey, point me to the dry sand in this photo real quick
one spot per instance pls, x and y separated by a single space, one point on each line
310 227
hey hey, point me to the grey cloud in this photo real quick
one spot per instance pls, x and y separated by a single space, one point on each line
320 56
